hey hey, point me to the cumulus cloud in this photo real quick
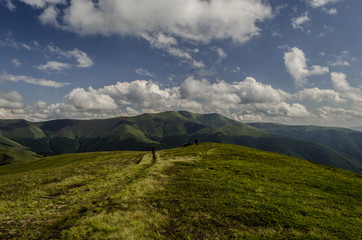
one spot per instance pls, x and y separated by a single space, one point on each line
90 100
160 22
49 15
242 100
294 110
246 100
339 81
6 114
340 84
299 21
36 81
319 95
244 92
191 19
338 115
296 64
11 100
53 66
318 70
143 94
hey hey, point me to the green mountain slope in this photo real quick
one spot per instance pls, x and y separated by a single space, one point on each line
209 191
346 141
169 129
14 152
164 130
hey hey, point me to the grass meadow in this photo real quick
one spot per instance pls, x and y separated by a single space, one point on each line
209 191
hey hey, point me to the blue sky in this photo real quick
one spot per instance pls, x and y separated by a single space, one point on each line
292 62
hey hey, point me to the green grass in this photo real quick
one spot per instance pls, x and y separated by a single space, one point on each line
17 151
209 191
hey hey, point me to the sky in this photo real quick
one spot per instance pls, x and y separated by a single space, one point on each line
283 61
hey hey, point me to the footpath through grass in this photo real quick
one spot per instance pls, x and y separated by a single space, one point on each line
210 191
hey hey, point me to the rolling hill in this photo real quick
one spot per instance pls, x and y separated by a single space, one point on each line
16 151
164 130
209 191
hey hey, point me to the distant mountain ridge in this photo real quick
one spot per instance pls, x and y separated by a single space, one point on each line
343 140
356 128
164 130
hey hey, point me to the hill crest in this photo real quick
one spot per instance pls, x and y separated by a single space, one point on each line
209 191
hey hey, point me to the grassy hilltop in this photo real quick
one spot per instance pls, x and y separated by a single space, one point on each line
210 191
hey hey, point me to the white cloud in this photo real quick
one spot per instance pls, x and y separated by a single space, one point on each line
340 83
53 66
236 69
90 100
339 63
247 100
160 22
49 15
187 19
36 81
129 98
169 45
9 4
144 72
344 59
296 64
226 98
12 43
320 3
16 62
11 100
318 70
330 11
340 115
294 110
143 94
6 114
320 95
221 53
299 21
81 57
43 3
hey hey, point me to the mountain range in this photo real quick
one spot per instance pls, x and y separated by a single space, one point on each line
26 140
